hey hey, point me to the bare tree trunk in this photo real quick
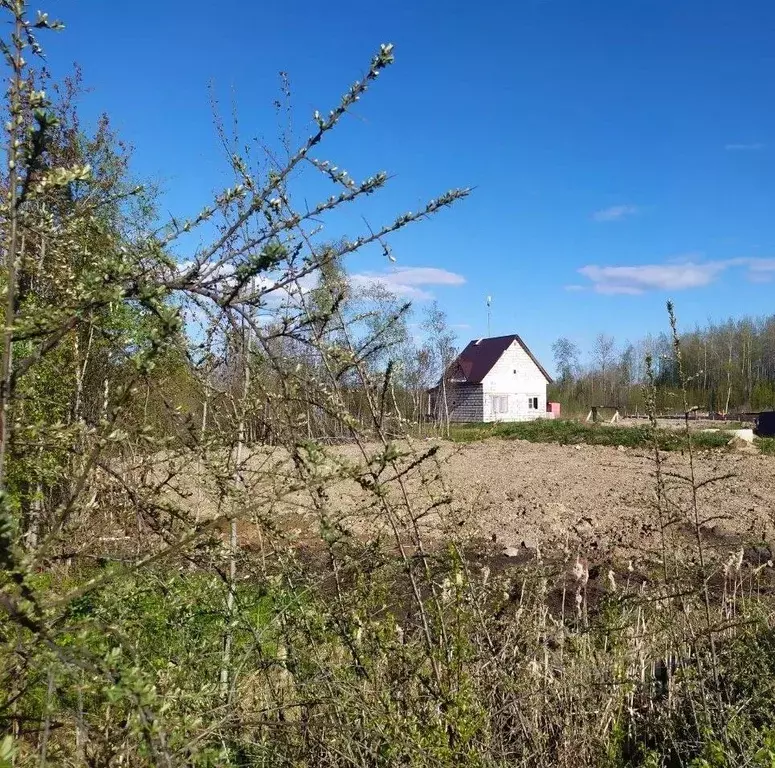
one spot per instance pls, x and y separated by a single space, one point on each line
80 373
46 725
446 404
80 730
202 432
105 396
145 405
229 634
36 515
205 403
6 366
729 379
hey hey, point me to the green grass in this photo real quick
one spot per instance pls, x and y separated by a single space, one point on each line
735 424
766 445
567 432
174 620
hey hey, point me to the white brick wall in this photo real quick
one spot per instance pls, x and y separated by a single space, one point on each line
516 377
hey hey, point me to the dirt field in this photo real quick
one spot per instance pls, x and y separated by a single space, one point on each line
517 495
602 499
679 424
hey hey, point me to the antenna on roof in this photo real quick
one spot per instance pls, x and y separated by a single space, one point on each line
489 313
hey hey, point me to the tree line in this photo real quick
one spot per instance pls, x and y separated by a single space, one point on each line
730 366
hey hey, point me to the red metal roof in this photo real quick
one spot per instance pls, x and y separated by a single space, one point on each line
478 358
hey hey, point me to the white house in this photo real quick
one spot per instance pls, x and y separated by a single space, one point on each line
496 379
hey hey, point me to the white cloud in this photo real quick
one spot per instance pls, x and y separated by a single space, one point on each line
615 212
652 277
575 287
761 270
409 282
753 147
672 276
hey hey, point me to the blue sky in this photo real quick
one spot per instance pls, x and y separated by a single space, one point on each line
622 152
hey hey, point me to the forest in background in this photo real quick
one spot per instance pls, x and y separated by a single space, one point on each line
730 368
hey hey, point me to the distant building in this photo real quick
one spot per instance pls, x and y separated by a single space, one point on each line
497 379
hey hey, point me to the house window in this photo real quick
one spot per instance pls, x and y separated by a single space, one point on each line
500 403
532 403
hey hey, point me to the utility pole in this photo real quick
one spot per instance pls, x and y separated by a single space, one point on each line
489 313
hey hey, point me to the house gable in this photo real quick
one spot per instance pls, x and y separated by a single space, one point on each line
516 370
481 356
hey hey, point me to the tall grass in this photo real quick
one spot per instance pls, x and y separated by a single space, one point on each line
541 665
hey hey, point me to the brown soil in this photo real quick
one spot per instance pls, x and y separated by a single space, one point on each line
601 498
597 500
517 496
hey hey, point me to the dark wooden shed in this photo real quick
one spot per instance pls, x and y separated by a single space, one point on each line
765 424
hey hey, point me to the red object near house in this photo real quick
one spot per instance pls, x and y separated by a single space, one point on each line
554 409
